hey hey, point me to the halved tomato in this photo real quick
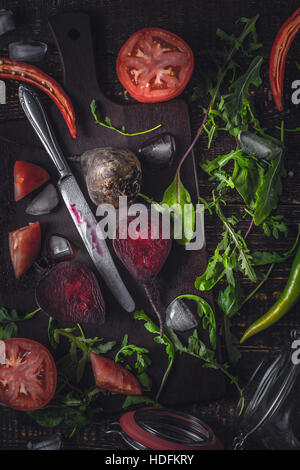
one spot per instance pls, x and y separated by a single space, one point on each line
28 375
155 65
24 246
113 376
27 178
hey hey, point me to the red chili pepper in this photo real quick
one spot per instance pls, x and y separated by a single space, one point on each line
30 74
280 49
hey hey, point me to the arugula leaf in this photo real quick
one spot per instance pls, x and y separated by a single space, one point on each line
261 258
246 175
229 299
238 97
195 347
244 256
76 409
221 263
10 330
142 363
270 189
205 312
9 320
106 122
274 225
241 92
83 344
131 400
164 340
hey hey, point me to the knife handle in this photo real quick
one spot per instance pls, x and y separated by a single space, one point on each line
36 115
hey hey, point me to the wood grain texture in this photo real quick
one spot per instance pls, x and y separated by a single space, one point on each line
113 21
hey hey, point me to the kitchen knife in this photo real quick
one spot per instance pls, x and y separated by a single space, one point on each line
76 204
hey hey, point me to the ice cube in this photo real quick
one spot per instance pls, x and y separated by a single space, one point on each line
59 248
27 51
179 317
45 202
52 442
7 22
2 92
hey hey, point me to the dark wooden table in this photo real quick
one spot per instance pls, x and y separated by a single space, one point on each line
196 21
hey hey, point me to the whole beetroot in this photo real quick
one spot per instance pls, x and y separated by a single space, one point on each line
111 173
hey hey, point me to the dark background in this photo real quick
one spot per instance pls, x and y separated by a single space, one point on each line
196 22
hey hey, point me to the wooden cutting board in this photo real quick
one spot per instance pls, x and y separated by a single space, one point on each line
188 381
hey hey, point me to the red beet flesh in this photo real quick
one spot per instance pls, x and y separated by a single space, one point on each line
145 256
70 293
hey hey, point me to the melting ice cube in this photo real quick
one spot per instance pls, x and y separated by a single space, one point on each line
45 202
60 248
2 92
52 442
27 51
7 22
179 317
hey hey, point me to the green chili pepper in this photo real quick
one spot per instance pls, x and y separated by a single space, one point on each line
286 301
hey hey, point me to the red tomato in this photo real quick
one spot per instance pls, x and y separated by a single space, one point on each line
24 246
112 376
27 178
155 65
28 375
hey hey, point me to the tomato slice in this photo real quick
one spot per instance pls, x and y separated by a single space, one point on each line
24 246
154 65
28 375
27 178
114 377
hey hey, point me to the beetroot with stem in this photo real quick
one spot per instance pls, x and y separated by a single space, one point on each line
143 251
69 292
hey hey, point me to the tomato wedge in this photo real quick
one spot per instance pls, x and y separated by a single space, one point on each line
112 376
24 246
28 375
27 178
155 65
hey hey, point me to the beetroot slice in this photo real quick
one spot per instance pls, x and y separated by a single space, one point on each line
145 256
69 292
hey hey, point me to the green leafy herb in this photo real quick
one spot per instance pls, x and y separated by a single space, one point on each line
9 321
141 364
206 313
106 122
233 109
177 201
270 188
274 225
164 340
82 344
258 182
195 348
74 410
131 400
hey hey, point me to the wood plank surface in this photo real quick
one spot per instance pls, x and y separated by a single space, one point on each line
196 21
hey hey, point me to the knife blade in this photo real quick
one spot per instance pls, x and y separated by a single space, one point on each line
75 202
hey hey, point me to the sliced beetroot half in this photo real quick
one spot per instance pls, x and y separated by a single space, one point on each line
145 254
70 292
